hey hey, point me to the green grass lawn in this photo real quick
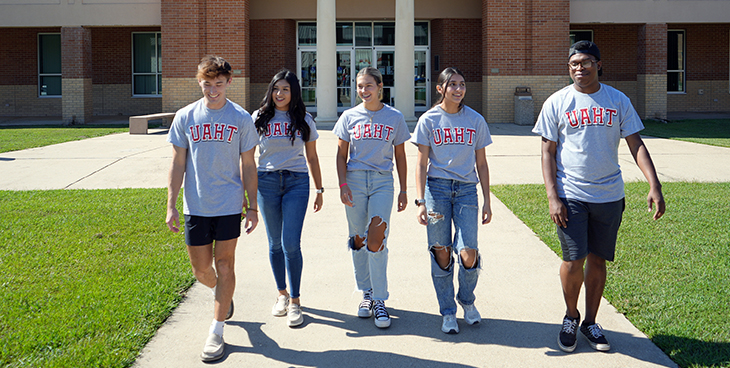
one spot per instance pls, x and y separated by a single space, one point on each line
15 138
715 132
671 277
86 277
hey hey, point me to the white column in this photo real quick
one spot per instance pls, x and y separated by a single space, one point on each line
404 58
326 62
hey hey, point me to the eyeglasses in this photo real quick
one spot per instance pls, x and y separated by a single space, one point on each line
585 63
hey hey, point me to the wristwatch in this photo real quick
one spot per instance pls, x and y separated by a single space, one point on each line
420 202
320 190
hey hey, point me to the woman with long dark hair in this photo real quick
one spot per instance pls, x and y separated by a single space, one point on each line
287 144
452 140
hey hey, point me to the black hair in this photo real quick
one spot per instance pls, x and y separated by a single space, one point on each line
297 111
443 81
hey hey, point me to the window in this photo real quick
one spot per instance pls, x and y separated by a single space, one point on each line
675 61
576 36
49 64
146 68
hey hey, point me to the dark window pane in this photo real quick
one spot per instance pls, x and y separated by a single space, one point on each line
576 36
363 34
307 34
420 32
145 85
145 50
50 86
675 82
675 50
344 34
384 33
50 53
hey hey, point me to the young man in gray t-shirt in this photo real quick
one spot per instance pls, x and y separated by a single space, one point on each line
581 126
213 139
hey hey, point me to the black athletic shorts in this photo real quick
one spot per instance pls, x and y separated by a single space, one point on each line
204 230
592 228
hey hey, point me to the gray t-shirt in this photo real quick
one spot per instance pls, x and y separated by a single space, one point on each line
372 136
453 139
588 129
276 149
215 140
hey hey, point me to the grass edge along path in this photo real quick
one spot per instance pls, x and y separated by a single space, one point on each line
714 132
15 138
86 276
671 277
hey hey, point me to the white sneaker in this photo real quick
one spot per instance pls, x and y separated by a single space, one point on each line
449 325
213 349
279 309
471 314
294 315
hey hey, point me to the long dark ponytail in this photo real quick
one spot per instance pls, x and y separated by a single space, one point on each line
297 111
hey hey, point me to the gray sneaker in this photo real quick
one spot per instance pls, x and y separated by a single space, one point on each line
213 349
449 324
471 314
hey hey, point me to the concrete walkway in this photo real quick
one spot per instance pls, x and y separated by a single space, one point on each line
519 293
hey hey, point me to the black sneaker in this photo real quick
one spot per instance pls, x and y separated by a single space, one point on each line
594 334
567 337
382 318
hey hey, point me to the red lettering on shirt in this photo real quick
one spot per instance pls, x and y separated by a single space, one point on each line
207 134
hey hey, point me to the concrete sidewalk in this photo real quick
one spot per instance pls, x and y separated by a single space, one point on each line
519 293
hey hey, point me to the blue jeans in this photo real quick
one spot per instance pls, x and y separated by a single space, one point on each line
454 201
283 197
372 196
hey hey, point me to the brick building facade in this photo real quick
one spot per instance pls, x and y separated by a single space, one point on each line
143 60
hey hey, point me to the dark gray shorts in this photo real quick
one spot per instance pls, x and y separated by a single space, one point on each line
592 228
201 230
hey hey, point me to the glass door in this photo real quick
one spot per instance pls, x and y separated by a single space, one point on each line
386 65
308 69
344 79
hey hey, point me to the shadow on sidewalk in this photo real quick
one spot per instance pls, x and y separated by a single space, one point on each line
517 334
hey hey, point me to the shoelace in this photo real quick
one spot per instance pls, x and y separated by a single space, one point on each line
569 325
367 300
596 330
380 310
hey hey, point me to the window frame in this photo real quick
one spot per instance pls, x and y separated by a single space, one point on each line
157 74
684 63
40 74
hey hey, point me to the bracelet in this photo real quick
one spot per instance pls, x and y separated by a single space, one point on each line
252 209
342 185
403 192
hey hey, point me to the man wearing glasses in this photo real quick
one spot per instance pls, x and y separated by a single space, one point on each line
581 126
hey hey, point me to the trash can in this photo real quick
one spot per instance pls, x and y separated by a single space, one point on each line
524 107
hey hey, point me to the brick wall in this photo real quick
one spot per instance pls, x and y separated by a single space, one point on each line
194 28
619 49
19 55
273 47
707 51
456 42
112 53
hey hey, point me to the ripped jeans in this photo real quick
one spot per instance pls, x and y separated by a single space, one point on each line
372 196
454 201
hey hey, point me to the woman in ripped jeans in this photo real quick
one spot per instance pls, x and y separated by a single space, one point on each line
452 140
370 134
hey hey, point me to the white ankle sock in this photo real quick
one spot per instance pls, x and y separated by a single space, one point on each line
216 327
